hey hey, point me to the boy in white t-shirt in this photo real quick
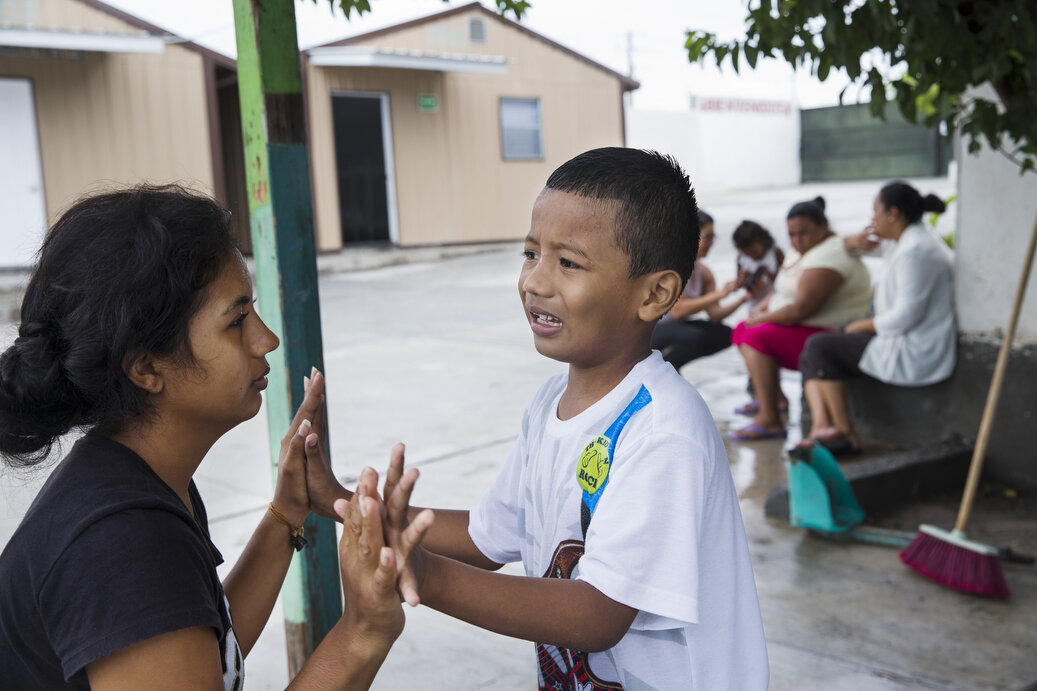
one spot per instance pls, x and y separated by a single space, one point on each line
617 496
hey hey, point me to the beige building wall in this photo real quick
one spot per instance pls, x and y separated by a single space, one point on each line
452 183
111 119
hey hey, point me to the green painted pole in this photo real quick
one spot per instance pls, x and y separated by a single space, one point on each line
281 220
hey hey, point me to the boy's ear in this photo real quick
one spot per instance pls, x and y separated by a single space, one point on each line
145 372
663 290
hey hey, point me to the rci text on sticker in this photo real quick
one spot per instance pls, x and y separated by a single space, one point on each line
593 468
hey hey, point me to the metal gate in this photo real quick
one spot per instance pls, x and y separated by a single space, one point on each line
847 143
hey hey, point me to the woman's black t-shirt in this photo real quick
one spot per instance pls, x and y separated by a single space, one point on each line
106 556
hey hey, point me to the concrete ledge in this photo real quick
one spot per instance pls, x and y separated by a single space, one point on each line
894 479
912 415
924 415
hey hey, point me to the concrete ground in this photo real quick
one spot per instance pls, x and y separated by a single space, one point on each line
435 352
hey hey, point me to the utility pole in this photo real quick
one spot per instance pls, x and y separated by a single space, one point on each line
281 220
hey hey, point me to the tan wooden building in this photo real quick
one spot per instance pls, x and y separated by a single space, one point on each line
91 97
443 129
440 130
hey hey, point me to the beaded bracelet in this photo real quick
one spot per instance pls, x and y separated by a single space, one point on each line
297 539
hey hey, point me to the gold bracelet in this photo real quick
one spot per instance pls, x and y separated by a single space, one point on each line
297 540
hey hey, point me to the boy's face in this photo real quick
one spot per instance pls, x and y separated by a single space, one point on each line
579 300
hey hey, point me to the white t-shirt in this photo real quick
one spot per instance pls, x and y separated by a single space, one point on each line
666 537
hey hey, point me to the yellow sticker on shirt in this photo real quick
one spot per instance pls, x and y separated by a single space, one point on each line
593 468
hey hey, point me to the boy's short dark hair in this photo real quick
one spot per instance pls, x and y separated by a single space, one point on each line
657 222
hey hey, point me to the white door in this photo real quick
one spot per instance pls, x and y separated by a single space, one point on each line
22 212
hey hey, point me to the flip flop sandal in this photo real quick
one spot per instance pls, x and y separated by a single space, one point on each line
755 433
839 447
749 409
753 407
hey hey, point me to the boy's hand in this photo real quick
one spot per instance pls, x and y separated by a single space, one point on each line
402 535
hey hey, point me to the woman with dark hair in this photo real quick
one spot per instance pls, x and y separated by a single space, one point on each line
911 339
137 328
821 287
679 335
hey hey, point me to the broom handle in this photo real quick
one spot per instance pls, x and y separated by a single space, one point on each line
987 421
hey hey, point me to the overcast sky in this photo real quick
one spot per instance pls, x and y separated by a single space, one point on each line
596 28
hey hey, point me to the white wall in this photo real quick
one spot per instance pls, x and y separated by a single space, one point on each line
725 143
669 132
996 216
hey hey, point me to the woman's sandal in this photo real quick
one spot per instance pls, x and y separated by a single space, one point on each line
751 408
837 446
755 433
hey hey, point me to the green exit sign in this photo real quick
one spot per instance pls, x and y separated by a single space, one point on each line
428 102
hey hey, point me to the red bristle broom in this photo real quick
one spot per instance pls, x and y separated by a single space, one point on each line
948 557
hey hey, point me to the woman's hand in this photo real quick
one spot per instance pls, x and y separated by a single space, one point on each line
730 287
368 569
372 619
323 488
757 315
861 326
290 495
864 241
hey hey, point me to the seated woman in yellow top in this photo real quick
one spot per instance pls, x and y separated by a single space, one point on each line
821 287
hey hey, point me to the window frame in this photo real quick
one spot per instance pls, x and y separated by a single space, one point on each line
538 129
472 23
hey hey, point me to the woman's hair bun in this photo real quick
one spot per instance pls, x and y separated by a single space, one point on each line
931 202
820 201
38 403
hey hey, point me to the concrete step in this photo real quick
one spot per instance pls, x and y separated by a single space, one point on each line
894 478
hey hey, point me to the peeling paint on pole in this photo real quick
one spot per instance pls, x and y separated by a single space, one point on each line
281 221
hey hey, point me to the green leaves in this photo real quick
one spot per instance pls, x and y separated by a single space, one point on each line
517 8
942 50
751 55
349 6
926 103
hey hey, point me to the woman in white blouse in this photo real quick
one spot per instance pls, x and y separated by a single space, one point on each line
910 340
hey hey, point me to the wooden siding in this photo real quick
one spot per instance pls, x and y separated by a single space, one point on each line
63 15
113 119
452 184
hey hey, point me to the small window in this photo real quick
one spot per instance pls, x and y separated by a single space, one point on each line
520 128
476 31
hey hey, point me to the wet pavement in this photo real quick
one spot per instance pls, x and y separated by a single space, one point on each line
435 352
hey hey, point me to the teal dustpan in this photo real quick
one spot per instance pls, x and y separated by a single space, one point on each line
822 501
820 498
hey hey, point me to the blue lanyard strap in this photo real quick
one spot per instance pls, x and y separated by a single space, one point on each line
592 470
